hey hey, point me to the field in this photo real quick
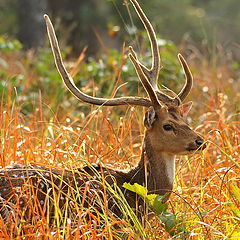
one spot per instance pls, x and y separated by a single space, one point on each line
42 123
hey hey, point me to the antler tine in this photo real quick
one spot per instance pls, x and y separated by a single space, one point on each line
152 73
147 85
189 79
72 87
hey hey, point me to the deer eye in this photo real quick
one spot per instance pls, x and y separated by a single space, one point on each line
168 127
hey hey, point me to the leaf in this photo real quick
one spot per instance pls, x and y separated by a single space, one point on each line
140 190
158 206
151 198
169 220
154 200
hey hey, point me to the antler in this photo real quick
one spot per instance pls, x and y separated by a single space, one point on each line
189 79
152 74
139 101
148 77
148 87
72 87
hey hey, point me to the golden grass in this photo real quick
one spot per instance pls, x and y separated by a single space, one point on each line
202 194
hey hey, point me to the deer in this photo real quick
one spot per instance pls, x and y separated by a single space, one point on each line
166 135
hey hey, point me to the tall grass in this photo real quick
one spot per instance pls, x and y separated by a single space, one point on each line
41 127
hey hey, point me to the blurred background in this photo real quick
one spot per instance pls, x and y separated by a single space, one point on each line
205 24
94 35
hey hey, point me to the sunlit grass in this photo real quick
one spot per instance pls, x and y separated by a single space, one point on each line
68 137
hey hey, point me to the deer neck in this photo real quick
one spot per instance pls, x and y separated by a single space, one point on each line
155 170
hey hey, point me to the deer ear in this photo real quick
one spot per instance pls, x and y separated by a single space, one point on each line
185 108
150 118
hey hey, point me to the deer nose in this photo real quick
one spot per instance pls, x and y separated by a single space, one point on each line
199 142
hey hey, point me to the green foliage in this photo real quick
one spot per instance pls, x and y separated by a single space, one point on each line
157 205
172 225
170 222
9 45
49 81
111 72
153 200
31 74
103 72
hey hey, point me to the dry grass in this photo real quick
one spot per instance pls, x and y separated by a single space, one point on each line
69 138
